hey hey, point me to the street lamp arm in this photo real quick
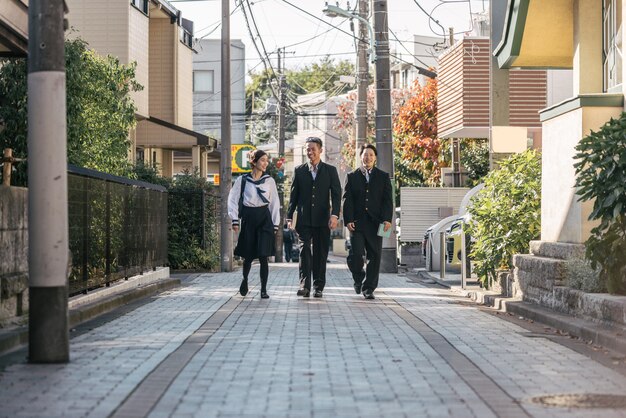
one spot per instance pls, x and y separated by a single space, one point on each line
334 11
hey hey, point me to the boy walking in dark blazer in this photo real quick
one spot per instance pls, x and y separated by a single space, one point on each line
316 196
367 203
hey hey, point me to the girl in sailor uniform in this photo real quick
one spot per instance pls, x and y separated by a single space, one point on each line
258 208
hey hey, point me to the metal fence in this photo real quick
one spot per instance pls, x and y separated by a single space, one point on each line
117 228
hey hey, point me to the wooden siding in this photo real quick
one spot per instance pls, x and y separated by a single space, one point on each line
103 24
162 35
420 208
450 90
184 89
138 51
463 96
527 96
463 92
475 82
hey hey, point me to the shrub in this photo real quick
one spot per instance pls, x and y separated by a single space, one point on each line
192 218
505 214
475 159
601 177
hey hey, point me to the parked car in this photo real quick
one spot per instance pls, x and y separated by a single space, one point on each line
453 243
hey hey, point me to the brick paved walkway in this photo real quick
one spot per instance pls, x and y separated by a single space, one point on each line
202 350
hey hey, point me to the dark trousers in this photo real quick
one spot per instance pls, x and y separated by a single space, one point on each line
365 244
314 243
288 247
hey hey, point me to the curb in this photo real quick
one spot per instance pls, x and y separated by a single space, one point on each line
18 337
611 337
603 335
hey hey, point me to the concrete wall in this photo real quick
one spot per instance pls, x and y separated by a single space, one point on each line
13 254
563 217
207 105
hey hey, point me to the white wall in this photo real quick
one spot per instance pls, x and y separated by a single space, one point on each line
207 106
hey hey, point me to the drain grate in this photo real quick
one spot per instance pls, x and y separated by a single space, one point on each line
585 400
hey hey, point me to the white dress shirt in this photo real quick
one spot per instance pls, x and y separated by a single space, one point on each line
264 186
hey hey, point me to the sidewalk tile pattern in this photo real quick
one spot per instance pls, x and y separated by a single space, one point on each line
338 356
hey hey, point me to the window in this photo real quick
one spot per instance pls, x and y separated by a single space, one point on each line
185 37
141 5
612 44
203 81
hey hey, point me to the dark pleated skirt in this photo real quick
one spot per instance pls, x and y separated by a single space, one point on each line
256 234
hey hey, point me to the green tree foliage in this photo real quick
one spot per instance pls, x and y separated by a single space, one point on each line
319 77
192 219
100 112
505 214
316 77
475 159
601 178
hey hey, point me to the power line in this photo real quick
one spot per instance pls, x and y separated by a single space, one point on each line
290 57
322 20
407 50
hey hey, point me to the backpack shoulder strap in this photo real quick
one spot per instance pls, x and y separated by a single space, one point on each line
243 187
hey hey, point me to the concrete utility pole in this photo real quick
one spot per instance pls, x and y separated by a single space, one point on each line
226 175
361 81
48 244
384 143
281 153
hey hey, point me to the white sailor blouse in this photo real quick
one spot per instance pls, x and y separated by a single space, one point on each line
261 192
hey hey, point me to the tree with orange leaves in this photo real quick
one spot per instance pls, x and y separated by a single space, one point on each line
416 143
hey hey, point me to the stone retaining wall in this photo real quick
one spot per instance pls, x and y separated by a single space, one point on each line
541 276
13 254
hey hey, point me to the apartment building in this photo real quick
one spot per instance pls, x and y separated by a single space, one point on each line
207 98
153 34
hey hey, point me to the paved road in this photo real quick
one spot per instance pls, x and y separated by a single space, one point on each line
201 350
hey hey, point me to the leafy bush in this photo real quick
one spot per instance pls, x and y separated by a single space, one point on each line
601 177
192 218
505 214
100 111
475 159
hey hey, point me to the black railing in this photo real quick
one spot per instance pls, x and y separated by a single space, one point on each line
117 228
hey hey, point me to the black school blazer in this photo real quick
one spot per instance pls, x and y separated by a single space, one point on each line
371 200
314 201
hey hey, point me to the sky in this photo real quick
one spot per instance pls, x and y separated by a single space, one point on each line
308 35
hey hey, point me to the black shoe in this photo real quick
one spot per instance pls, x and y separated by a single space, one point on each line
303 292
317 294
368 294
357 288
264 295
243 288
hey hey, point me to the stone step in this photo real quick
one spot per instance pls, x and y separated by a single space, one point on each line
559 250
542 268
